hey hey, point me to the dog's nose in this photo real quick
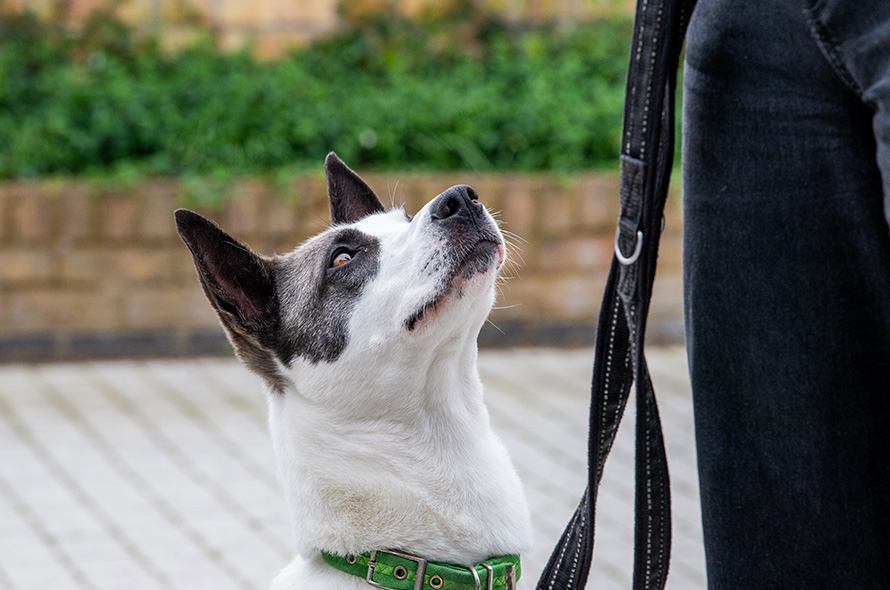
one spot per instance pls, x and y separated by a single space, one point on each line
458 201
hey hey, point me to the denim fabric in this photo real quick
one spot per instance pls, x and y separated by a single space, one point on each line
786 138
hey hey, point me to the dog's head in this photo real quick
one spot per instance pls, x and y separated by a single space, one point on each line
372 288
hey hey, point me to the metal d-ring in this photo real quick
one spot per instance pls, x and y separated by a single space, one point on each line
626 260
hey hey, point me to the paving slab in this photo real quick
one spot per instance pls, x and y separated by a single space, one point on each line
159 475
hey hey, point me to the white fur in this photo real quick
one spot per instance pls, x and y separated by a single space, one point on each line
390 447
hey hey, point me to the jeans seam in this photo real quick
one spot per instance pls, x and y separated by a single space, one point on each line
829 47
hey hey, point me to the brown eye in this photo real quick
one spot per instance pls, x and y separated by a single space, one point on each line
341 258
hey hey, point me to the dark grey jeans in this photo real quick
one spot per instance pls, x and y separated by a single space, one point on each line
786 162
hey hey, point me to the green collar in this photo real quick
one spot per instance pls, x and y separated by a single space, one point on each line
395 570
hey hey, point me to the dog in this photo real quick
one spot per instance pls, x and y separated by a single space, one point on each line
365 339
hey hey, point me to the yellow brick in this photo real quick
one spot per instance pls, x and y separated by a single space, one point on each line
127 267
32 213
244 208
160 199
48 309
77 221
180 307
521 208
120 215
579 254
25 265
559 206
599 201
238 12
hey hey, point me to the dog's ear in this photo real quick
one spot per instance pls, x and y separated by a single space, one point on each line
239 283
350 198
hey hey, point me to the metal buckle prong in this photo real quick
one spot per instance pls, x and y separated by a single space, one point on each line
472 568
490 569
418 576
372 563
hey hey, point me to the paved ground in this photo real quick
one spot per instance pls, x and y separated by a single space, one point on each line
158 474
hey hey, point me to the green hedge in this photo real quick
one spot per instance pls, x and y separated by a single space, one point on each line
389 94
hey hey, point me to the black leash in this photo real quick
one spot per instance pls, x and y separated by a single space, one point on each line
647 156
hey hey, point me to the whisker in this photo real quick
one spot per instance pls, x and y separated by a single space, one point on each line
392 196
506 306
495 326
513 235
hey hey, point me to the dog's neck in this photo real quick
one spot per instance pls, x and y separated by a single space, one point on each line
417 469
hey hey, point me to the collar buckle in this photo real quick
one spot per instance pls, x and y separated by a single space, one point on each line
418 576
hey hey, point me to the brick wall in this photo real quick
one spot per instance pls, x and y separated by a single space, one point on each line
273 26
90 273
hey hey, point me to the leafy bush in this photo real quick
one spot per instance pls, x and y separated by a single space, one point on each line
385 94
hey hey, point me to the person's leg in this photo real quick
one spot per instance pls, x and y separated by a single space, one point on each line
855 38
787 270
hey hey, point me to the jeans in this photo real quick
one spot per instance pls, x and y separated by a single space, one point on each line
786 163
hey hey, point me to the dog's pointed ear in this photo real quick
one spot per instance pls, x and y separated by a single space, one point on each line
239 283
350 198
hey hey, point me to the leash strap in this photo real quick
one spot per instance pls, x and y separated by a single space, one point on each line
647 153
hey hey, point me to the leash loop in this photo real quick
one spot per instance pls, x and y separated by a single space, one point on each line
647 153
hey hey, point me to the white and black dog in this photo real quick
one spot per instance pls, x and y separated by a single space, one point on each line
365 337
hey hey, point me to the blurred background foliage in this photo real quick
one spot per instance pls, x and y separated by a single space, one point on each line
457 91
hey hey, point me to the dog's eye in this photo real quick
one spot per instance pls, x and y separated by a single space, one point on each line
341 258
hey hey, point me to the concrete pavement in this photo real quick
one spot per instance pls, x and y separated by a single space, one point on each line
158 475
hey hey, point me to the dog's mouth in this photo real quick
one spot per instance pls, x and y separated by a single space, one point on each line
480 258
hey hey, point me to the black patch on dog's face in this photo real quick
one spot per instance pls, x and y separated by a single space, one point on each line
317 298
275 310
